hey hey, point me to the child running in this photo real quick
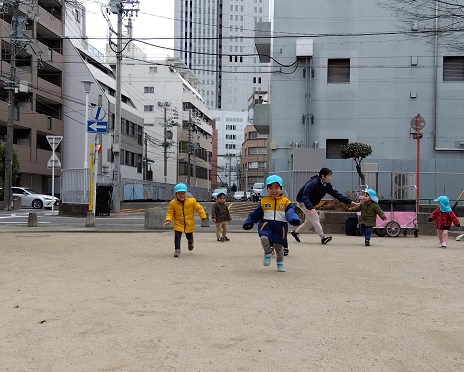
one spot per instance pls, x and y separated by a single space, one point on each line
272 215
220 215
181 211
444 217
369 211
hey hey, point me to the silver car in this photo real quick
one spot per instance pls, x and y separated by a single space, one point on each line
30 198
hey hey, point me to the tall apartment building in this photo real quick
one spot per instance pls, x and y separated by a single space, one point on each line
357 79
214 38
37 83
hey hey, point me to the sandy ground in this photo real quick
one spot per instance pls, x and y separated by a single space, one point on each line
121 302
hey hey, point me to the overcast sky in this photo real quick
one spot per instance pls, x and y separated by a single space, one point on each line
154 24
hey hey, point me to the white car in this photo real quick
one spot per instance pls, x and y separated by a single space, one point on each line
216 192
239 196
30 198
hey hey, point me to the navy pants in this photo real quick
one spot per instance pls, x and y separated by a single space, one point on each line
366 231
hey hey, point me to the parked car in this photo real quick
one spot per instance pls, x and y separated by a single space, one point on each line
258 188
239 196
248 196
216 192
230 196
30 198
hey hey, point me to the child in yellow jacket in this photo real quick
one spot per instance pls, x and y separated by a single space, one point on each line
181 211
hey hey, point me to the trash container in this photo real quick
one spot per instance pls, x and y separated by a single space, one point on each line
104 197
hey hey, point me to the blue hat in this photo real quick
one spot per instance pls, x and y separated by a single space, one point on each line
180 187
272 179
444 203
372 195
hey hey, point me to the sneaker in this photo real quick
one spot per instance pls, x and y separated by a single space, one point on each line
225 239
286 251
367 243
443 245
267 259
325 239
177 253
190 246
440 245
295 235
219 239
280 266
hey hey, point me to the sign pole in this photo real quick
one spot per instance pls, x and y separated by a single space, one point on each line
418 133
95 168
54 141
91 178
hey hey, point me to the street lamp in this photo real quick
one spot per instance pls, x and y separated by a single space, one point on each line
87 85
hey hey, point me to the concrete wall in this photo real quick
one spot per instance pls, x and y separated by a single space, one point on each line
376 105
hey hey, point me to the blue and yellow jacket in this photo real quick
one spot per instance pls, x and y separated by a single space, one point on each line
272 215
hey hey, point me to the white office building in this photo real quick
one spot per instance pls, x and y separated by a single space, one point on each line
215 39
230 126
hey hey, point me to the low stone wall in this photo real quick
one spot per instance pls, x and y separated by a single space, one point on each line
334 222
73 210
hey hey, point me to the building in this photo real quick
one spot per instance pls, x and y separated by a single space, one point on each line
36 81
360 80
215 40
230 126
254 158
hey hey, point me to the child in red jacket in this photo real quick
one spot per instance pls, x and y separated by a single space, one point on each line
443 217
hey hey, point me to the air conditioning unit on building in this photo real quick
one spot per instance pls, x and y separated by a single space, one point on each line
403 186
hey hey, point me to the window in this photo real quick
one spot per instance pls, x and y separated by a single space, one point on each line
230 146
231 127
152 69
338 70
149 89
148 108
230 136
453 68
333 148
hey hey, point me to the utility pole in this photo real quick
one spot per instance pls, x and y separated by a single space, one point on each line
117 7
189 147
145 164
166 143
18 44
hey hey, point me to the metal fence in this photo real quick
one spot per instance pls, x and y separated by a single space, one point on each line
75 186
389 185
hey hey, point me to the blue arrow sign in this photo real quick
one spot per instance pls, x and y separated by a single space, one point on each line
96 126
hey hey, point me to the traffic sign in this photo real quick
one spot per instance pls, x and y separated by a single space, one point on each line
54 141
54 162
97 126
98 113
417 124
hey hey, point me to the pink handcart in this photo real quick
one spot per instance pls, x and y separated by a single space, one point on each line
401 218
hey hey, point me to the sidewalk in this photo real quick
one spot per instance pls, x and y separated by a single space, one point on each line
122 302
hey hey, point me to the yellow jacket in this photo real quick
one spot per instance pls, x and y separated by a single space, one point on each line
183 214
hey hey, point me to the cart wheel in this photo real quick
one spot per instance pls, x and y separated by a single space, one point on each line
380 232
393 229
416 233
405 232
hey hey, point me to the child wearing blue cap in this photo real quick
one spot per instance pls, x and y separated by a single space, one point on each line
181 210
444 217
272 215
369 211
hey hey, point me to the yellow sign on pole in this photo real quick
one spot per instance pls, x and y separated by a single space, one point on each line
92 154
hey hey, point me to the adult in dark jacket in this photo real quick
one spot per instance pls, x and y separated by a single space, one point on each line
311 195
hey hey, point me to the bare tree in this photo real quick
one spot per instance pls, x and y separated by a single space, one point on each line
431 18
